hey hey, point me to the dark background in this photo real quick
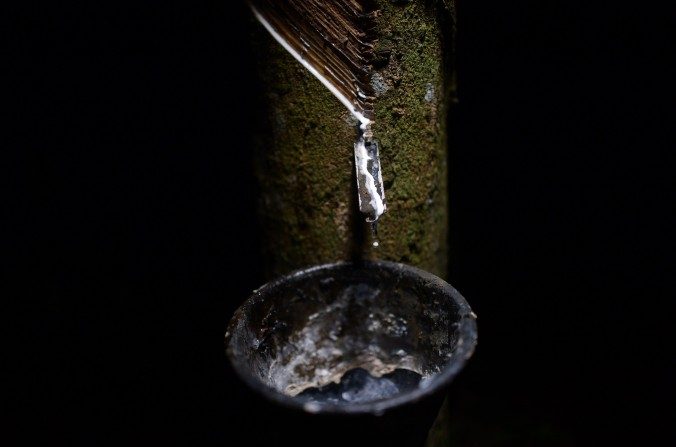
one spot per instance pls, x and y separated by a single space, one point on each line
134 216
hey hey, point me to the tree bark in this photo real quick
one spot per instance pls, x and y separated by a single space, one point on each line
304 149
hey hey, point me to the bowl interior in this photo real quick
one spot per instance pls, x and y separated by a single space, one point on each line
347 334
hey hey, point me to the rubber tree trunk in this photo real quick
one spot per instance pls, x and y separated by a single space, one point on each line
304 152
304 149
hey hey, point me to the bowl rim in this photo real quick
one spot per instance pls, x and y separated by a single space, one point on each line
466 342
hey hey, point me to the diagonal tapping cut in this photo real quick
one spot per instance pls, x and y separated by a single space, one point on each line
334 41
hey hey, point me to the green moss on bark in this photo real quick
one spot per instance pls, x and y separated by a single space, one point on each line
305 151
